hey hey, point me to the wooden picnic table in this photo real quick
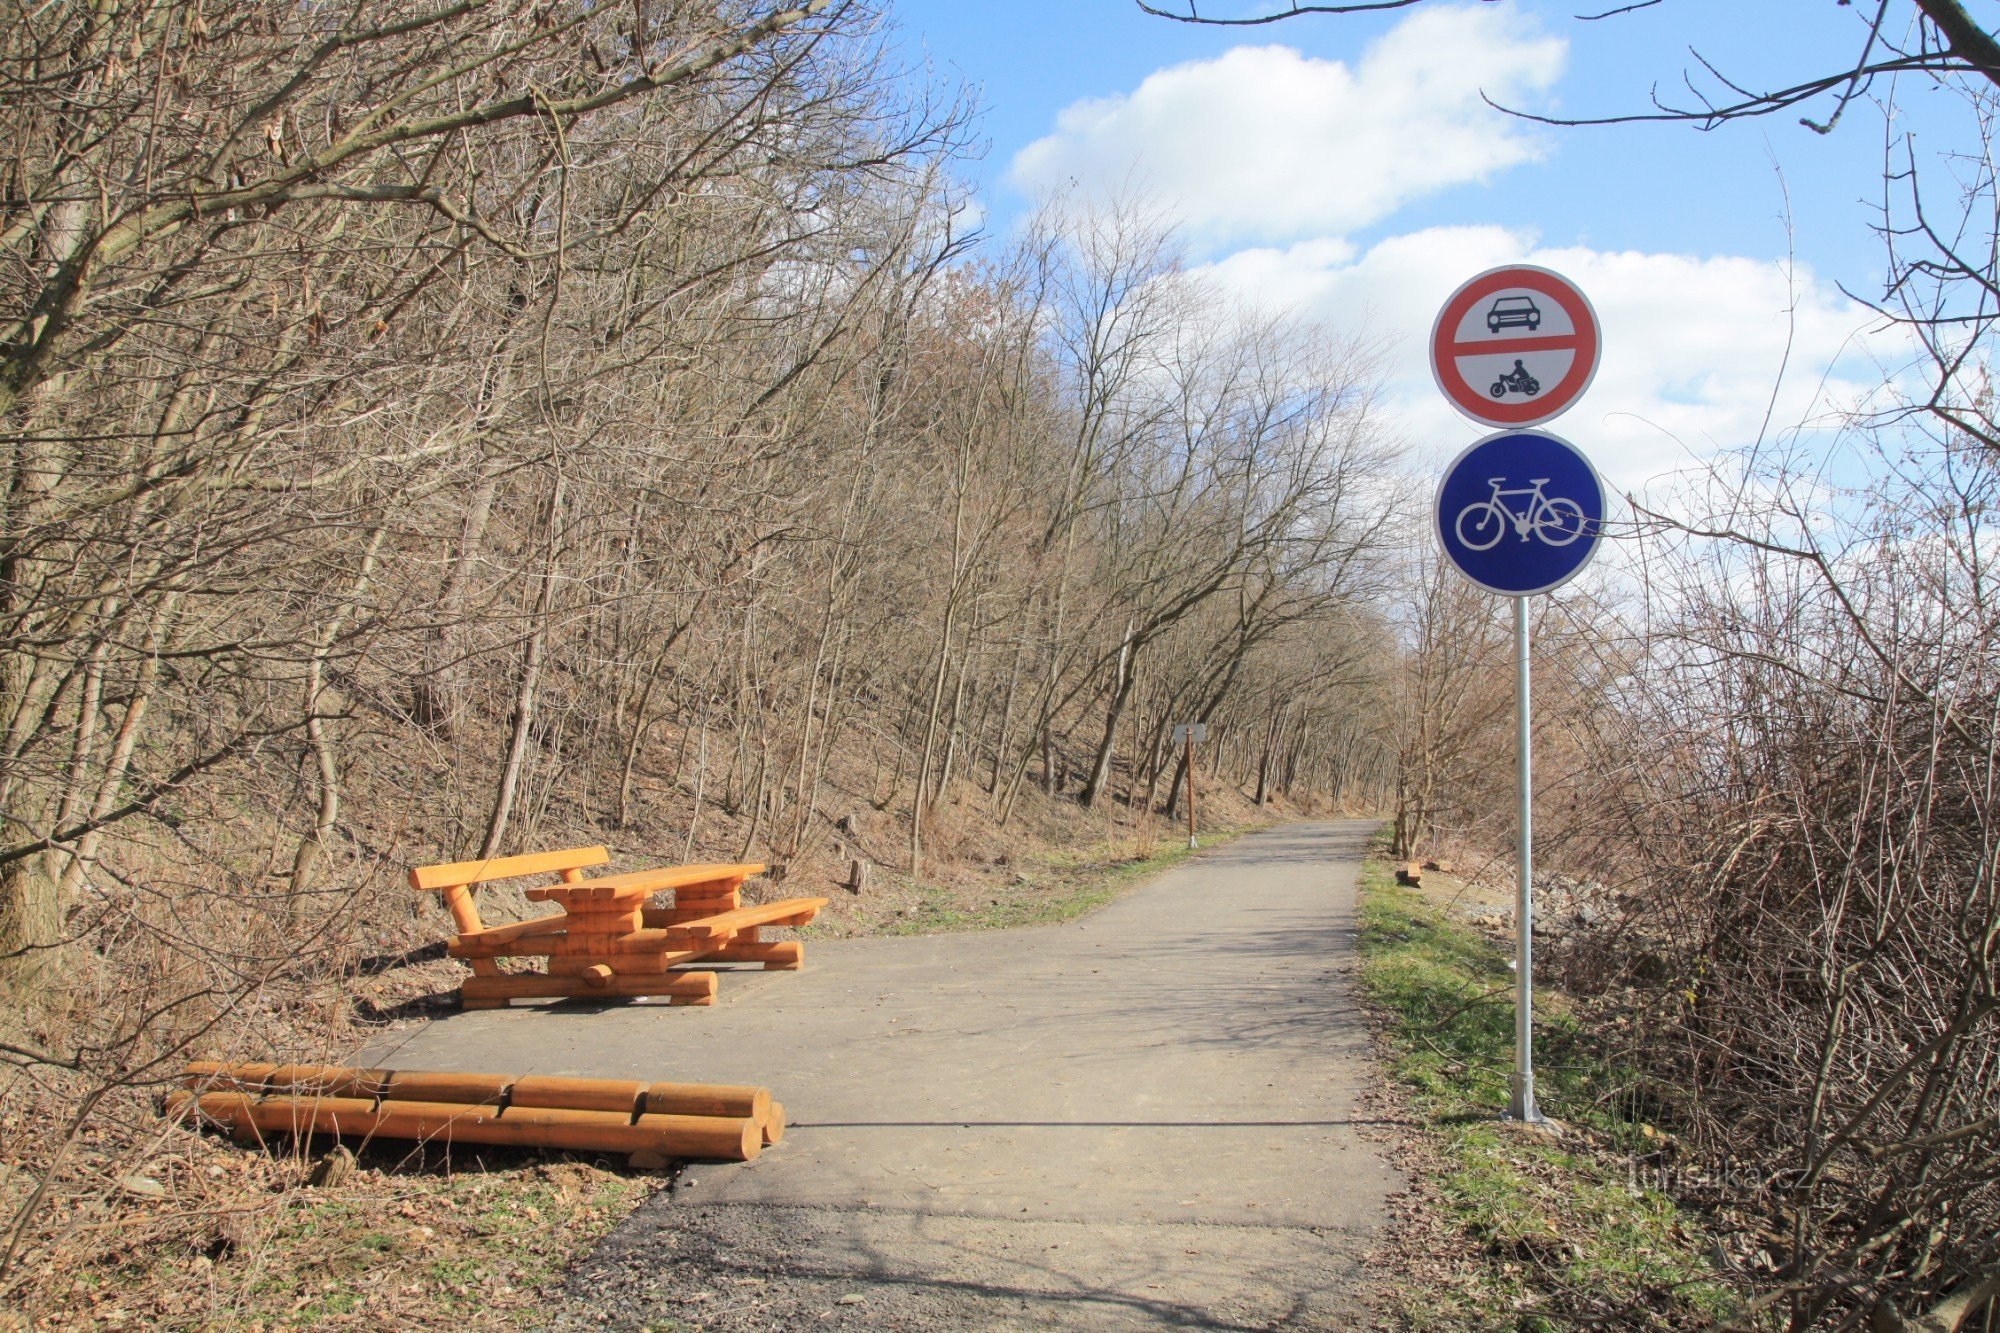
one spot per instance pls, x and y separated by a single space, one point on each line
606 941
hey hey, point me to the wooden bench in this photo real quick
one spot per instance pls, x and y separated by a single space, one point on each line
606 941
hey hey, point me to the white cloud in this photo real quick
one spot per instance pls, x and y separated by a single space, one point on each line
1290 155
1264 143
1693 346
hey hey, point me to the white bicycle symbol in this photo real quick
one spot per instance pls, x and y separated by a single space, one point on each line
1556 522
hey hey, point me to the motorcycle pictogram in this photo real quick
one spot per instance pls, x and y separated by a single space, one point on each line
1517 380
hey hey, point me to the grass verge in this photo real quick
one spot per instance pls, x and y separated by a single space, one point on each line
1513 1228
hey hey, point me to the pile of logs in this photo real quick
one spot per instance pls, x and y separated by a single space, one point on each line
651 1123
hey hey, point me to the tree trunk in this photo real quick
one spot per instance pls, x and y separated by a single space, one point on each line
313 846
1100 764
529 682
439 686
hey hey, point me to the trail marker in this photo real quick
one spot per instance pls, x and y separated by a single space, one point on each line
1185 735
1519 512
1515 346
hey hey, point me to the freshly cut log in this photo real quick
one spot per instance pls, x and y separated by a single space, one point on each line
778 956
790 912
458 874
584 893
774 1124
733 1140
660 918
429 1085
626 1096
713 1099
681 879
597 976
563 944
682 987
489 937
258 1076
578 1094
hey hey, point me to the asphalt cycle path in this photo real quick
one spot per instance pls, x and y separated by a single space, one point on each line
1146 1118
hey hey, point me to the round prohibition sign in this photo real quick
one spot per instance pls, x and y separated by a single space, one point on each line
1515 346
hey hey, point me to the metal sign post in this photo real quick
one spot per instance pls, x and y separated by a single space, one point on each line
1520 513
1187 734
1521 1102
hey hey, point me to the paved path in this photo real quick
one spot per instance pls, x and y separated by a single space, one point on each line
1146 1118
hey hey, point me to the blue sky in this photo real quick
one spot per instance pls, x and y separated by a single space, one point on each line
1344 166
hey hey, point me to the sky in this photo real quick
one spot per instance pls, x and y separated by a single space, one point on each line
1349 169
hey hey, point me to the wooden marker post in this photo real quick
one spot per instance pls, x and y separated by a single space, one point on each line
1187 733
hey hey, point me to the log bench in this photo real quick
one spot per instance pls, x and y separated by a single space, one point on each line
606 941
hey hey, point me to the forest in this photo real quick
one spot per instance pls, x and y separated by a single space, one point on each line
438 430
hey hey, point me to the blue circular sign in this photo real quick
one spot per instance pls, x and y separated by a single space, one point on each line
1520 512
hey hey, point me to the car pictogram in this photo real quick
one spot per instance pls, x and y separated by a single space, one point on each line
1511 312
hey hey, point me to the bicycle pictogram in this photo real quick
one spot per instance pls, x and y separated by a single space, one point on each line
1553 521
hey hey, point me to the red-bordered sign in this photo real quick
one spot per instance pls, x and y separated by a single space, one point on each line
1515 346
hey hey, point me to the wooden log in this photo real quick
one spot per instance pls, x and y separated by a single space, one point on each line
628 1097
305 1080
641 963
776 956
431 1085
228 1076
661 918
714 1137
790 912
532 946
557 945
622 960
706 893
774 1124
688 906
1410 874
728 1101
684 987
461 873
678 878
489 941
596 976
587 897
577 1094
643 941
696 911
